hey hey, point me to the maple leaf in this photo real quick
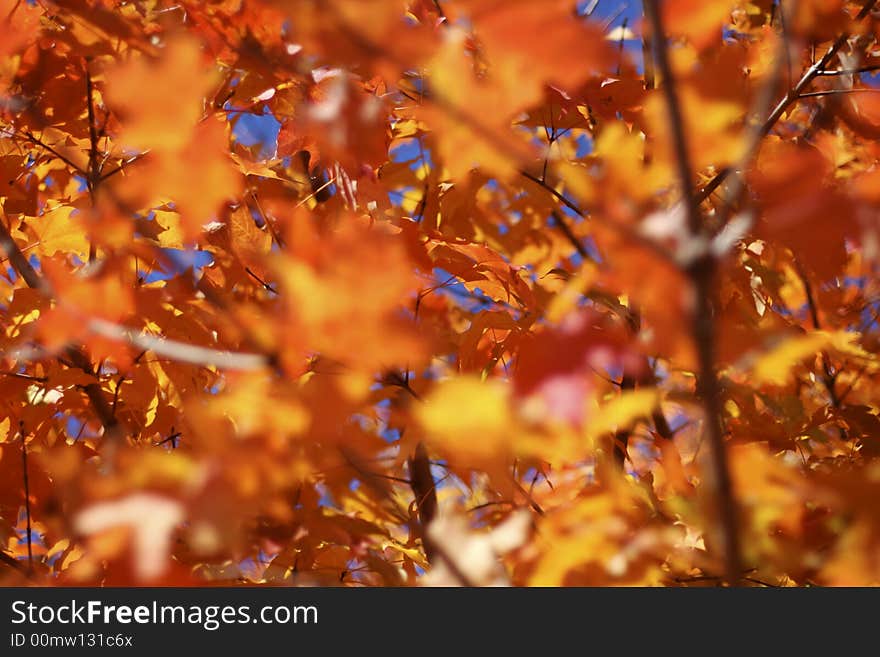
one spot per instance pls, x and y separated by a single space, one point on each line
59 230
699 21
20 24
140 90
198 179
345 289
465 407
519 61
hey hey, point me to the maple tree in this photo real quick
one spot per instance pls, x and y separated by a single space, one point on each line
504 293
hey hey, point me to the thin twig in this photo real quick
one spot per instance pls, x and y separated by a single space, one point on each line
676 117
623 230
849 388
763 102
27 377
571 205
93 172
264 284
125 163
172 438
786 55
27 494
38 142
560 222
838 92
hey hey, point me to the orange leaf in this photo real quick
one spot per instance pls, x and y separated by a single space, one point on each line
160 101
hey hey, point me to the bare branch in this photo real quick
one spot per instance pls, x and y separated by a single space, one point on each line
19 262
94 174
179 351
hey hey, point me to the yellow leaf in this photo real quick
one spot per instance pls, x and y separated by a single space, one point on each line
172 232
199 177
847 342
58 231
621 152
775 366
622 411
465 138
568 298
698 20
19 321
73 555
245 404
579 180
248 242
58 548
151 411
467 416
413 553
259 169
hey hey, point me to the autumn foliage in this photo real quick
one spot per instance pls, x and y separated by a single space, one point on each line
456 292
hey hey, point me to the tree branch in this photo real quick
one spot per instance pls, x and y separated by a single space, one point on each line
15 564
790 97
702 273
38 142
425 493
179 351
676 118
647 57
94 173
